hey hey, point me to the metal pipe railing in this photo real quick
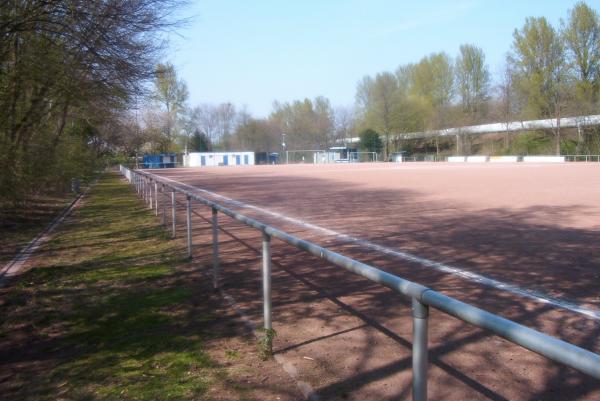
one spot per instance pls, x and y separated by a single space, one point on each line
164 205
583 158
421 297
189 225
266 280
215 248
174 213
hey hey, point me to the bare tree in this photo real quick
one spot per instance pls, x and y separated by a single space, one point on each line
63 61
344 118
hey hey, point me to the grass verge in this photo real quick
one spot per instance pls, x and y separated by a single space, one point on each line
111 311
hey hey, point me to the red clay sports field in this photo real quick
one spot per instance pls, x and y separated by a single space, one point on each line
518 240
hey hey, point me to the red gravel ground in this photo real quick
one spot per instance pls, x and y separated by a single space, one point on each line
535 226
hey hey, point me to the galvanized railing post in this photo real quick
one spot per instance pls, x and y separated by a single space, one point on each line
164 205
189 226
215 249
145 189
174 213
149 193
156 198
266 279
420 313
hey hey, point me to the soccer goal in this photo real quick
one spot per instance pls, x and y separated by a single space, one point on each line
363 157
303 156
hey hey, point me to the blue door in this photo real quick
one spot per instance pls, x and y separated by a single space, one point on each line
245 159
203 160
238 159
225 160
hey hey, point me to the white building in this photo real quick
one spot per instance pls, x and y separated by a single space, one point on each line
213 159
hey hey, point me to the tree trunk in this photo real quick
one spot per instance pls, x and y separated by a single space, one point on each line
558 135
457 145
387 146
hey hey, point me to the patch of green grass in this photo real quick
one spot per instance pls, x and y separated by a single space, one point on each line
232 354
105 302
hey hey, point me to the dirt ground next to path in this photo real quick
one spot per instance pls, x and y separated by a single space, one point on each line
531 226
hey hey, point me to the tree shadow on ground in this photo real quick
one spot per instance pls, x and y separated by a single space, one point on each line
528 247
102 317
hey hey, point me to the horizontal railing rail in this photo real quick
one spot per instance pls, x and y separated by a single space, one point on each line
583 158
422 297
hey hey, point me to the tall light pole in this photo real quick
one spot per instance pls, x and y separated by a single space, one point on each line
283 148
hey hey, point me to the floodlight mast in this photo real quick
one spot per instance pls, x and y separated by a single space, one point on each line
283 148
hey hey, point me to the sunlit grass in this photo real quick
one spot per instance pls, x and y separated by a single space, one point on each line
105 297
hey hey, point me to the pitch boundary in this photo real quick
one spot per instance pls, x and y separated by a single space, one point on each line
453 270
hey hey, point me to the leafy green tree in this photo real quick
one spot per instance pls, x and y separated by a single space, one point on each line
473 80
581 33
370 141
537 58
433 79
433 86
539 61
171 93
376 98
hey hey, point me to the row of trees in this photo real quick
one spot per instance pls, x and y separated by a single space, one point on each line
68 70
550 72
171 125
74 90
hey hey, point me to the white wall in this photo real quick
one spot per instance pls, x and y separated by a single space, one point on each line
212 159
544 159
504 159
477 159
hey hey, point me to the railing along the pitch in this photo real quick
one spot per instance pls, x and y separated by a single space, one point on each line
421 297
583 158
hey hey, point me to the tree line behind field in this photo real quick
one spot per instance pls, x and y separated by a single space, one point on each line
82 85
549 72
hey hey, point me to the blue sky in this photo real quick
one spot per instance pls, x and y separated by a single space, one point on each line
254 52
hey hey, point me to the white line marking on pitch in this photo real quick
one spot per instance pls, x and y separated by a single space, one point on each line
475 277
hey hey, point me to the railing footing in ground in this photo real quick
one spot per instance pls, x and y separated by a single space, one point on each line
422 297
